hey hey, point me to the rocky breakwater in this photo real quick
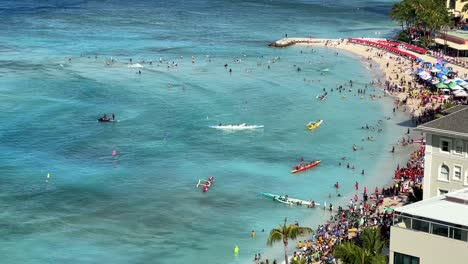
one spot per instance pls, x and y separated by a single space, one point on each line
286 42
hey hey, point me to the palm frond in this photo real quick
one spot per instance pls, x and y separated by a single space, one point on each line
372 242
275 236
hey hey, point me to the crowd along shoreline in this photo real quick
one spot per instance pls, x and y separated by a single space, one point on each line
382 64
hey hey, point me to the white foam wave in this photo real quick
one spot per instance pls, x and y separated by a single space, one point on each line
136 65
237 127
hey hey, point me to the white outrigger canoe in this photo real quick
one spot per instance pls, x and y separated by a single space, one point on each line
236 127
290 201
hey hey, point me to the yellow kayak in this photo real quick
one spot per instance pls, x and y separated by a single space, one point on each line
312 126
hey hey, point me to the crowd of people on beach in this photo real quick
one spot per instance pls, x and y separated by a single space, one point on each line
376 209
369 211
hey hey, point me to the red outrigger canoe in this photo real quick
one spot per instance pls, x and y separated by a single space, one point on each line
306 167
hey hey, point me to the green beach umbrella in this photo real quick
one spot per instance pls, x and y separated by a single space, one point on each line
452 85
441 86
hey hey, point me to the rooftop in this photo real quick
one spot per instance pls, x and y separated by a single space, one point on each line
453 124
454 109
451 44
449 208
459 33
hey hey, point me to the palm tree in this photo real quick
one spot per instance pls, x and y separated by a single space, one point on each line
369 253
430 15
286 232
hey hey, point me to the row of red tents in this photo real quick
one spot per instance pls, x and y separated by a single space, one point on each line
415 48
383 46
405 45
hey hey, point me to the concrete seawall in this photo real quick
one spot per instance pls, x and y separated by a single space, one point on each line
286 42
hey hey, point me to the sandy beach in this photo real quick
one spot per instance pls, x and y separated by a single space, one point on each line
392 66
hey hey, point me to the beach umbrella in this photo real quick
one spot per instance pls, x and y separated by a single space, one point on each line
450 68
460 81
435 70
441 86
454 86
426 77
420 70
460 93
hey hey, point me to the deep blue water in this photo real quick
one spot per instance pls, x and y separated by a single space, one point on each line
141 206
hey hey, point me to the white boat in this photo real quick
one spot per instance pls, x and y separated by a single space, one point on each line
236 127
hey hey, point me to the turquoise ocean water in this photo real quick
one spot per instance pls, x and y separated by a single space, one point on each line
141 206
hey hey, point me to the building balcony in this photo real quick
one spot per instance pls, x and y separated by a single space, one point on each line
432 227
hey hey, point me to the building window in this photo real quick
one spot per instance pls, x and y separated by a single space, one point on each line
444 174
442 191
399 258
458 147
459 234
420 225
451 4
466 178
445 145
457 172
440 230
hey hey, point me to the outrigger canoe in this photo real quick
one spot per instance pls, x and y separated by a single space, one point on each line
312 126
307 166
290 201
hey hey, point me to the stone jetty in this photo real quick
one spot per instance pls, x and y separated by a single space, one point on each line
286 42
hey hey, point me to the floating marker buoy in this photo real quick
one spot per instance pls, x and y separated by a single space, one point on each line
114 152
236 250
48 175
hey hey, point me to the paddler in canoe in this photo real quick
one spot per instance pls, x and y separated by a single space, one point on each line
300 165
